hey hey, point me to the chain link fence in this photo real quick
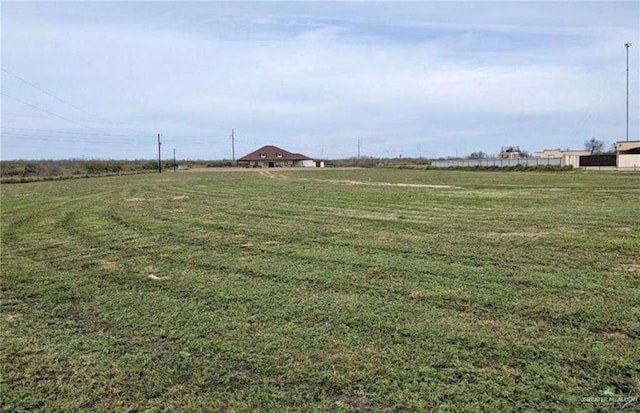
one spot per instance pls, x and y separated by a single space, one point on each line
495 162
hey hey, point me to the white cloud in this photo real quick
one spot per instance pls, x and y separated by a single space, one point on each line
326 76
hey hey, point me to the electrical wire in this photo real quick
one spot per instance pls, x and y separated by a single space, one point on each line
48 112
66 102
64 131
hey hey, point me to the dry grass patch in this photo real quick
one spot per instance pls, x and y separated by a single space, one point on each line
137 199
614 335
11 317
526 234
107 264
417 294
401 185
628 268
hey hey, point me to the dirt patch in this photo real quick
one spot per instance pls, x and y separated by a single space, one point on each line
107 264
362 403
267 174
614 335
416 294
180 197
495 324
628 268
150 269
270 174
525 234
11 317
140 199
250 170
351 182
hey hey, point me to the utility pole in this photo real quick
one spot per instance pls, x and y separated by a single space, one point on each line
174 159
233 146
358 148
627 45
159 159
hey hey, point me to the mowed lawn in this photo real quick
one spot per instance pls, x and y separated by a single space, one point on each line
375 290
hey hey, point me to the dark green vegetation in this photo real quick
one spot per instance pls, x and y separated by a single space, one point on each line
321 291
27 171
46 170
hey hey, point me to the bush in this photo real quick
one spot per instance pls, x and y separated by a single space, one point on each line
31 169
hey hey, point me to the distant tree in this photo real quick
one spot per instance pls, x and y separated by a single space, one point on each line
594 145
613 148
31 169
478 155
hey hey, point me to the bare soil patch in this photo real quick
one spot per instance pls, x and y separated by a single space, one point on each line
255 170
11 317
135 199
351 182
107 264
629 268
614 335
526 234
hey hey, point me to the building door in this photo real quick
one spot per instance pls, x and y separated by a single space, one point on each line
271 164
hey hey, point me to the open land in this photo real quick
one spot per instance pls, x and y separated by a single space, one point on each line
322 290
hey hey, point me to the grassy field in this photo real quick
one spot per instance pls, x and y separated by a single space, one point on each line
377 290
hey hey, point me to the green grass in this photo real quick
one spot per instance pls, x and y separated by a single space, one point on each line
307 291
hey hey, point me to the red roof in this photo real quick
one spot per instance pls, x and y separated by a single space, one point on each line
273 153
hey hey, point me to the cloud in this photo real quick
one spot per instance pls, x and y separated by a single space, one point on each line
319 75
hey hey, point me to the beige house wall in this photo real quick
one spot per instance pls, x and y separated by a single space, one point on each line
625 162
629 162
623 146
557 153
600 168
305 163
548 153
571 160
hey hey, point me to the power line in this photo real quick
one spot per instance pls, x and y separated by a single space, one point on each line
208 139
73 139
95 136
48 112
66 102
47 92
65 132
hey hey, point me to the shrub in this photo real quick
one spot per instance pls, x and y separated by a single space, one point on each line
31 169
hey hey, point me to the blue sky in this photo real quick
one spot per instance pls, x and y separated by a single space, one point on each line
432 79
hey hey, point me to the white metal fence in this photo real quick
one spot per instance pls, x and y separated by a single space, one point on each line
495 162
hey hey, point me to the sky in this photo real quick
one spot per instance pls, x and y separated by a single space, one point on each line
101 80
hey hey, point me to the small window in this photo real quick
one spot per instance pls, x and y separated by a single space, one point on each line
263 155
278 155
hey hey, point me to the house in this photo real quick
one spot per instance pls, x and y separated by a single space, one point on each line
628 155
626 158
569 157
559 153
511 152
271 156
